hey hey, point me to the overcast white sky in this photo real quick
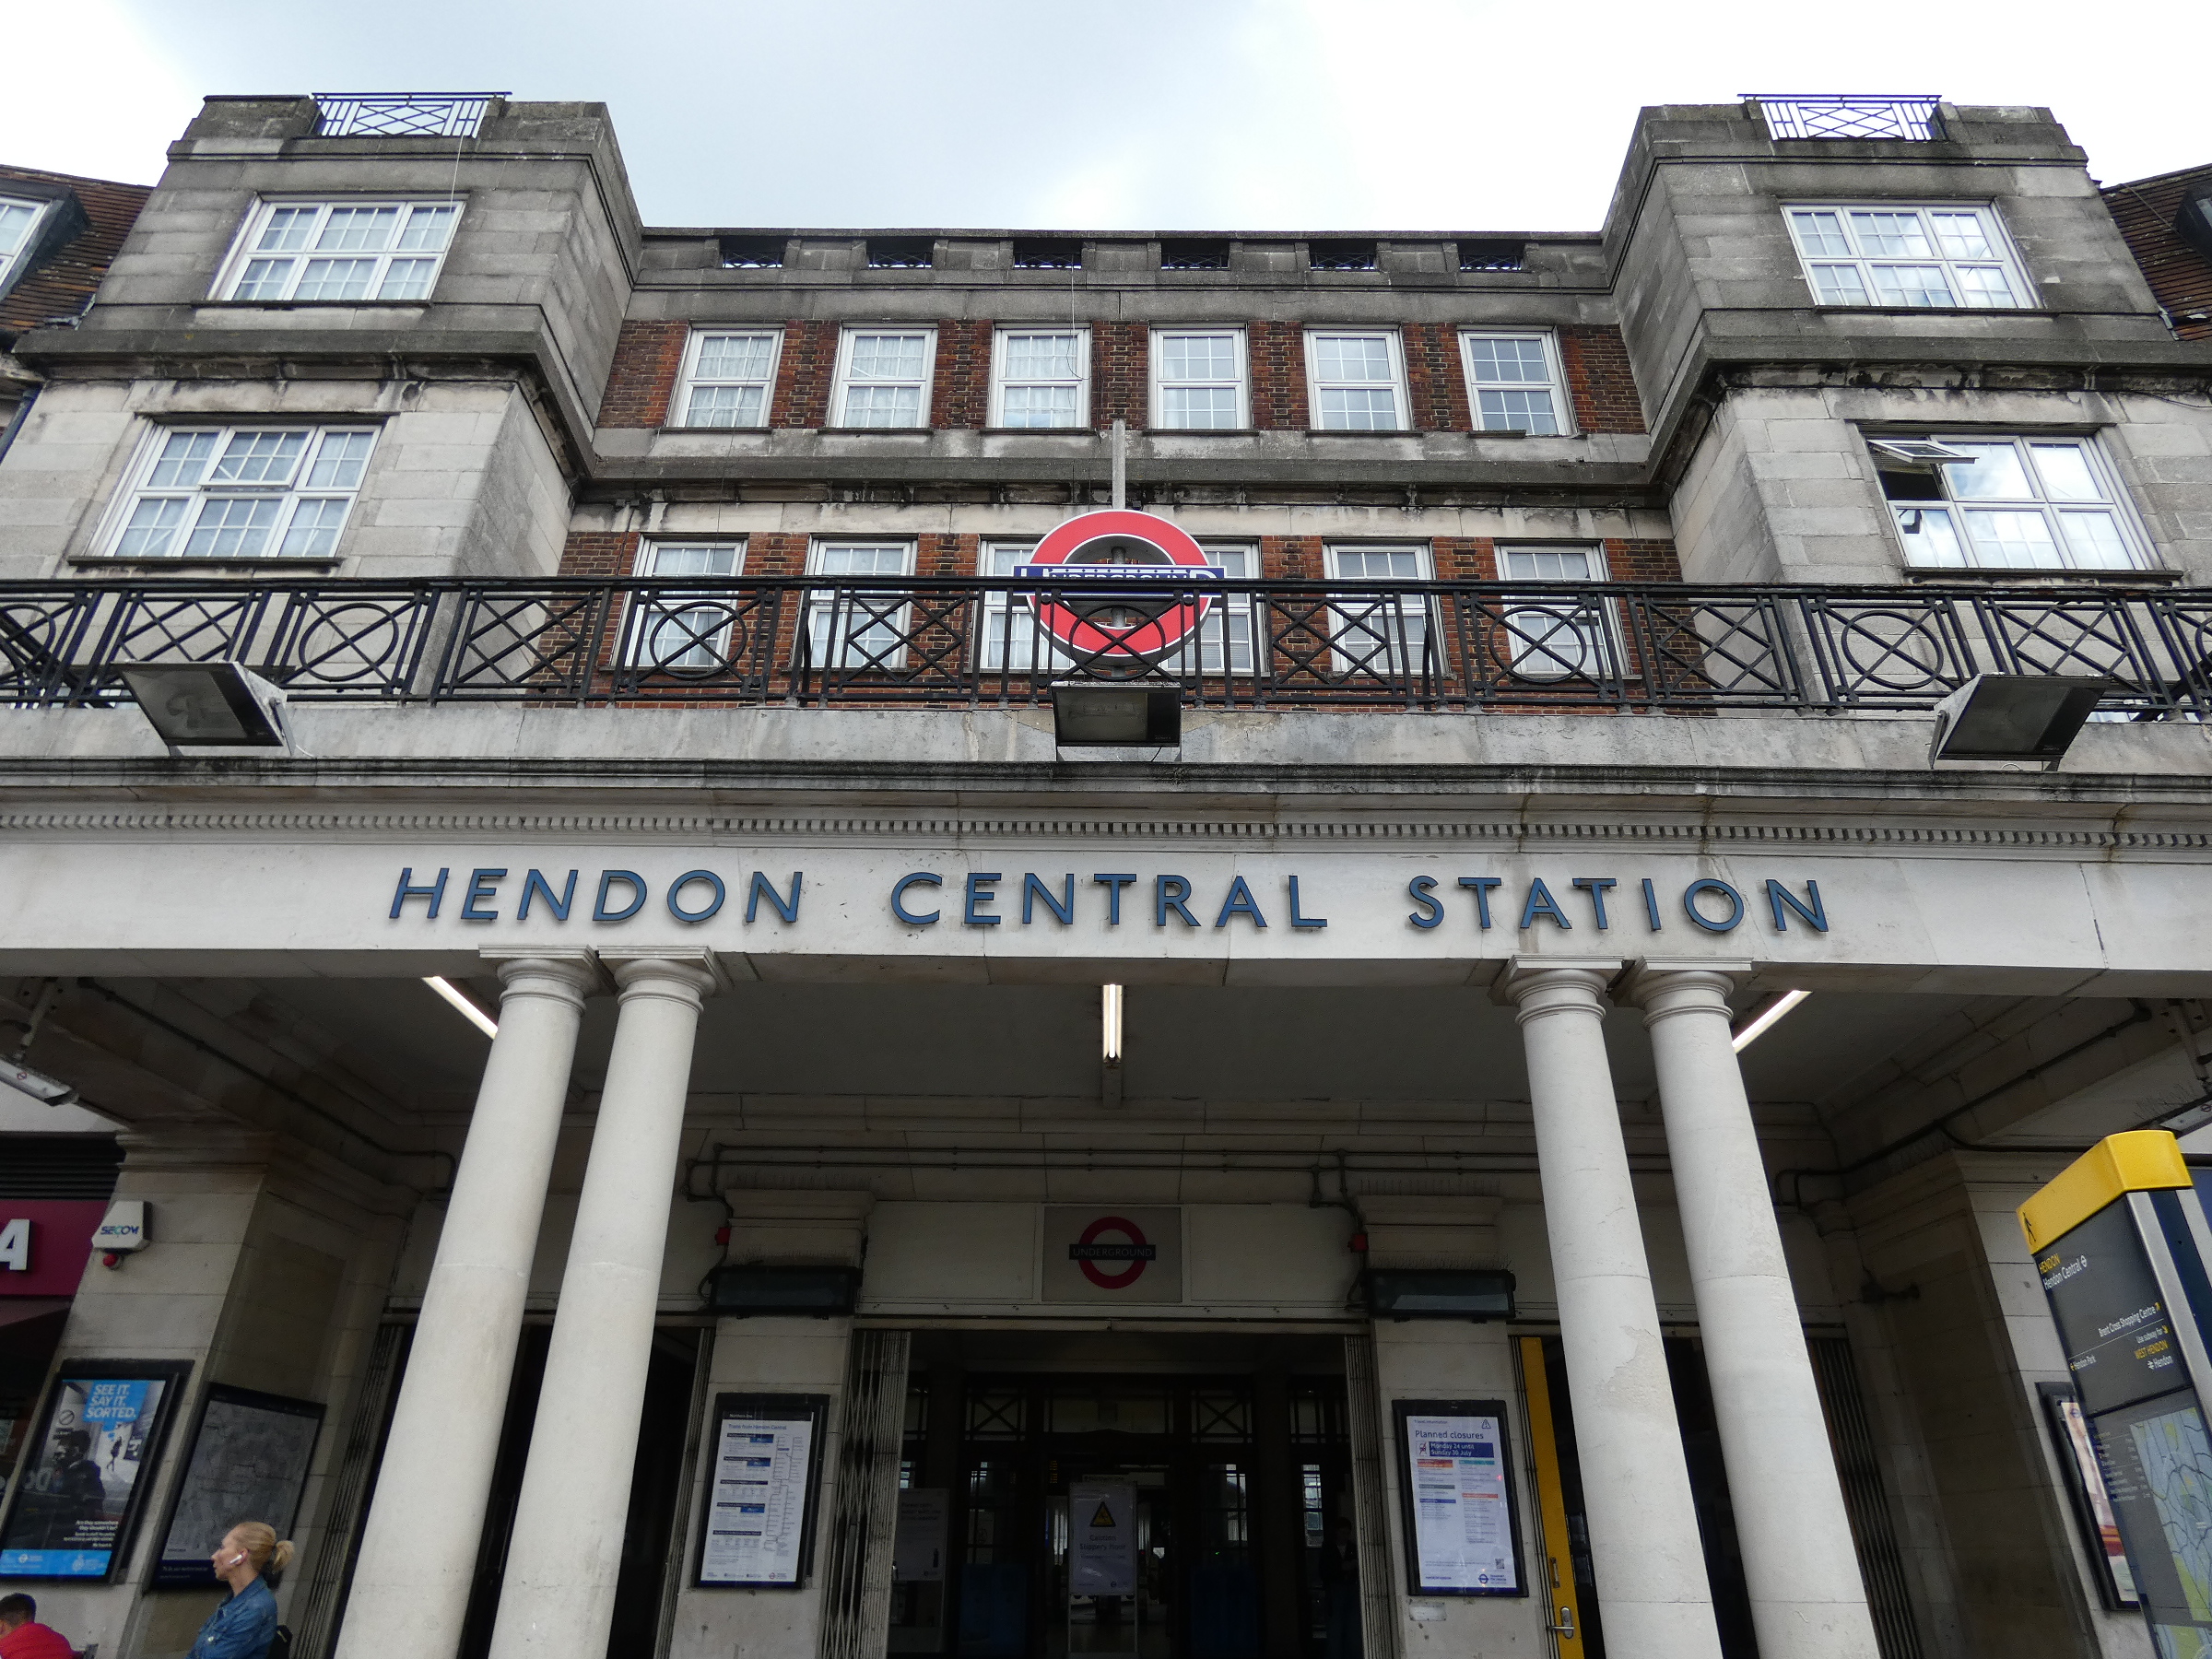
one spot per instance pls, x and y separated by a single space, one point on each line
1122 114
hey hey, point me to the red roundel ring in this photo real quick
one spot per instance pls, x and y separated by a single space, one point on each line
1132 629
1106 1224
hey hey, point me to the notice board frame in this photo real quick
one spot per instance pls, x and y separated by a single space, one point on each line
2055 1397
175 1377
198 1571
768 1408
1409 1537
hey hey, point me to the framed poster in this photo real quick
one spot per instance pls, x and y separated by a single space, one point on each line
249 1461
2091 1503
1455 1491
86 1468
757 1529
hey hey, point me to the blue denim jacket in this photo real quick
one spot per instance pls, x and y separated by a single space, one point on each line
241 1628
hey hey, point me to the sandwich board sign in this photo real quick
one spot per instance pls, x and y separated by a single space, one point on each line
2122 1248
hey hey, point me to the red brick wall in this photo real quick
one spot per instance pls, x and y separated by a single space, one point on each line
1291 558
1464 559
1278 376
1120 374
648 357
600 553
1599 380
803 377
960 395
1436 380
1641 559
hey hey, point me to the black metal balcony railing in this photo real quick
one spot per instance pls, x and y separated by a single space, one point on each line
401 114
1915 115
952 642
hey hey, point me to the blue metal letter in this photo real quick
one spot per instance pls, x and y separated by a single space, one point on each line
1062 907
1419 890
919 878
1240 903
533 884
677 886
1167 894
1778 896
1113 886
1735 904
1541 903
435 893
482 884
1650 903
1482 885
1297 920
1595 887
979 893
606 880
761 885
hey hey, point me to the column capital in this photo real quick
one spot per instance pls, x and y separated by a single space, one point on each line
687 972
1540 985
1664 986
567 975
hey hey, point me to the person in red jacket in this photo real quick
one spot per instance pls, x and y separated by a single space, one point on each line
23 1637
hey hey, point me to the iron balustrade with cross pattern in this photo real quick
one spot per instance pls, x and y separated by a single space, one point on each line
960 641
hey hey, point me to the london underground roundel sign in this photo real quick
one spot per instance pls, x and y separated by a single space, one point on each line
1129 624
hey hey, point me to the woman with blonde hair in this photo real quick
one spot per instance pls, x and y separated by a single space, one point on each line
250 1560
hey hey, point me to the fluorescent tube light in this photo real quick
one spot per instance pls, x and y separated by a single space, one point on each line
469 1011
1772 1012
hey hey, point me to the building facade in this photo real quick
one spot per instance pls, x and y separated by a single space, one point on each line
680 1108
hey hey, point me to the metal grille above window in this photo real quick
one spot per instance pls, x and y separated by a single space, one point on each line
901 253
1492 255
1047 253
60 1166
752 253
1190 253
1339 253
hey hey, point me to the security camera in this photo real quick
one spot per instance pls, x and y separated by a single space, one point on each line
36 1084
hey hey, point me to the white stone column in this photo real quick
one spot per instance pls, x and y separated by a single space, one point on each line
1644 1526
1807 1601
418 1550
557 1599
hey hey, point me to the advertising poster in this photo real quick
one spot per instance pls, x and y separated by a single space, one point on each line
85 1472
1459 1500
2092 1503
249 1461
918 1545
759 1512
1101 1526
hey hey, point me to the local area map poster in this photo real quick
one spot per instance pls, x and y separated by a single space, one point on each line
87 1470
758 1531
1462 1525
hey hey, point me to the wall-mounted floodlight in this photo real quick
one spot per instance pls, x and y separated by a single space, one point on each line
50 1091
208 705
1100 715
2016 717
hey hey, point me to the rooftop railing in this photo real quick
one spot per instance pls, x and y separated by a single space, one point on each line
1849 115
961 641
401 114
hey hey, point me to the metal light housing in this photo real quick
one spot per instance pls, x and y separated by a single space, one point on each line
1104 715
25 1079
2014 717
208 705
1477 1293
749 1290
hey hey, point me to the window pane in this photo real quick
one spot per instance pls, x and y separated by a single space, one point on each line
2012 539
1984 287
1379 564
1508 361
1550 564
1891 234
336 279
428 228
152 527
862 562
1912 285
733 357
1041 356
883 406
1358 409
1040 407
1519 412
313 531
287 229
2064 471
15 225
1959 236
1820 234
1214 407
886 356
692 561
1930 537
407 279
1198 357
1337 358
726 406
184 458
231 527
261 458
351 229
1839 285
263 280
339 462
1995 474
2095 541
